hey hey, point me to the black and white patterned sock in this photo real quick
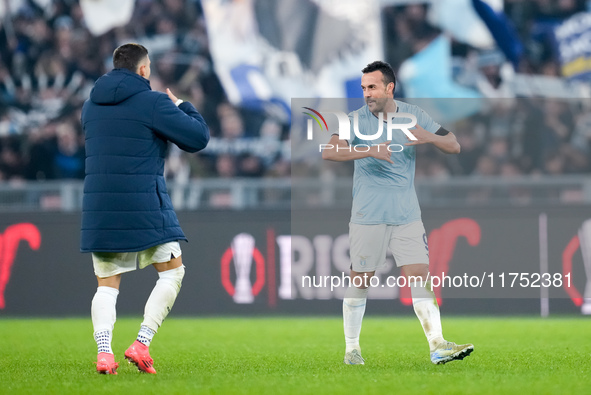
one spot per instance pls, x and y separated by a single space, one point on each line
103 341
145 335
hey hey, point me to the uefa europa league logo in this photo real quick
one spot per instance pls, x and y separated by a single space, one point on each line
243 247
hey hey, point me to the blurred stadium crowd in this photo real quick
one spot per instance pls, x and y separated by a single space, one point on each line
512 137
49 61
509 136
408 31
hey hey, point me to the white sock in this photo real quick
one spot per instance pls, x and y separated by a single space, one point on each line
425 305
145 335
353 310
162 297
104 314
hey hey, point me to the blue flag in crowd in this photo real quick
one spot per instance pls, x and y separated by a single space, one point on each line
428 74
502 30
573 42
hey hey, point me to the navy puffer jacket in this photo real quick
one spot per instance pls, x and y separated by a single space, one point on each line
126 207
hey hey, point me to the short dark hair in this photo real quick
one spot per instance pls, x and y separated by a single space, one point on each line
128 56
385 68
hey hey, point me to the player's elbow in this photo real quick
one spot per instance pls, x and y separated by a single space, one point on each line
453 147
328 151
197 144
202 141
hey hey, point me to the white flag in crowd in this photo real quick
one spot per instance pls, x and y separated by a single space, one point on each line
446 14
266 52
103 15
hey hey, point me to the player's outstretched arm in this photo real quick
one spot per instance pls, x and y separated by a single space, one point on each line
340 151
182 125
444 140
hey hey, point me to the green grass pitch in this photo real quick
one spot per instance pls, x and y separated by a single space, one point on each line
300 356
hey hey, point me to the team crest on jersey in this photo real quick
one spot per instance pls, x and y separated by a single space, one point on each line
362 260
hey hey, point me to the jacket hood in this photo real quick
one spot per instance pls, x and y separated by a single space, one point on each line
117 86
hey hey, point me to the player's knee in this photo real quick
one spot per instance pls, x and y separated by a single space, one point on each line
174 276
355 292
416 270
361 280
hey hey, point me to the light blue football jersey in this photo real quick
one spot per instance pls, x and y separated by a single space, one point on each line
384 193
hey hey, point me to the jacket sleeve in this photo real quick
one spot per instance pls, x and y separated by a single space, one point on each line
182 125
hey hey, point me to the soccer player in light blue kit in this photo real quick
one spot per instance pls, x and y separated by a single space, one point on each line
386 213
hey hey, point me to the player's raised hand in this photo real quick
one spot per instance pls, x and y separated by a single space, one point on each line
171 95
380 151
423 137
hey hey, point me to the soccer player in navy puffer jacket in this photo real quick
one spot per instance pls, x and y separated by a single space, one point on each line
127 214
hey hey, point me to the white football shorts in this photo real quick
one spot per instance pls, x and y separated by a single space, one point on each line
369 244
107 264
